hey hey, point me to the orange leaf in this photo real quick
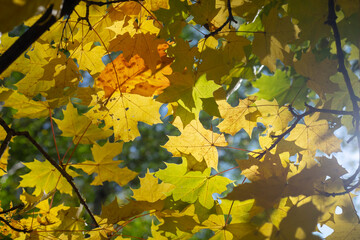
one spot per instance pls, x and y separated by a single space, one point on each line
133 76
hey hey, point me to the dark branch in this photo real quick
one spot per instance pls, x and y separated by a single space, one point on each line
229 20
293 125
28 38
331 21
20 206
11 132
14 228
348 190
331 111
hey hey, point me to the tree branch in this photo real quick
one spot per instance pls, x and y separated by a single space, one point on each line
331 111
331 20
11 132
293 125
228 20
14 228
20 206
28 38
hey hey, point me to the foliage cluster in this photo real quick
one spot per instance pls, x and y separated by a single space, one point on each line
106 68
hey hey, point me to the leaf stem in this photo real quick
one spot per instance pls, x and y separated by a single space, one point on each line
53 133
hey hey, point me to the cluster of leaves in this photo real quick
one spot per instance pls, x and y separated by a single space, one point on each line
110 65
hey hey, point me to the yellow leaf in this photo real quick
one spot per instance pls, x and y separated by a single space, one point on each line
235 118
26 107
104 166
89 58
47 215
272 116
80 127
32 67
4 162
315 135
123 112
134 26
151 190
71 222
154 5
44 177
198 141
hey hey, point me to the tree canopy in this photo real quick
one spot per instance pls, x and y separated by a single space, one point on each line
216 119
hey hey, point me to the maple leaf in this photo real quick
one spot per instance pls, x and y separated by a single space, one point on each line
273 44
99 20
318 73
71 221
198 141
79 127
224 230
214 46
150 190
306 215
45 178
191 94
35 81
270 165
123 112
154 5
240 117
281 88
144 45
342 97
204 12
132 77
118 214
26 107
194 185
89 58
104 166
345 223
48 215
240 210
272 116
183 54
215 64
310 22
314 135
245 9
4 162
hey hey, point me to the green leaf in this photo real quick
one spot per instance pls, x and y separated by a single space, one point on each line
194 185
